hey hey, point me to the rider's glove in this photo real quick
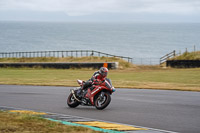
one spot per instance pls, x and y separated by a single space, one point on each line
97 81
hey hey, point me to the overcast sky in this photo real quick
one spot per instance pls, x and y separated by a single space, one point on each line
101 10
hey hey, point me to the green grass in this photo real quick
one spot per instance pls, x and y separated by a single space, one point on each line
188 56
149 78
21 123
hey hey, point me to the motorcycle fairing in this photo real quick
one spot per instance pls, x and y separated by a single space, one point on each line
91 94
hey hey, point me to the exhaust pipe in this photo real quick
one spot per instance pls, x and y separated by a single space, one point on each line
73 93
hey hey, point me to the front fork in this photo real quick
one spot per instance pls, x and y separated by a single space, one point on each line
102 95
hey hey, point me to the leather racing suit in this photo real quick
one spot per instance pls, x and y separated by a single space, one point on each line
96 79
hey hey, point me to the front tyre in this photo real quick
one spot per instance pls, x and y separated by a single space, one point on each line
71 101
102 101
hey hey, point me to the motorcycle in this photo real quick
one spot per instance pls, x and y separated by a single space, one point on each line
98 95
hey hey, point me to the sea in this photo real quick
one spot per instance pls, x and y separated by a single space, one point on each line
144 42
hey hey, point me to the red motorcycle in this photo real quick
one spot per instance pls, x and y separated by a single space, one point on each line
98 95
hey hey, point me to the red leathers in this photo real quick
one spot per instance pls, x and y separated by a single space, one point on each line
97 78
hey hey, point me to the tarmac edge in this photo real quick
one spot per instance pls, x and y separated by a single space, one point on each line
97 125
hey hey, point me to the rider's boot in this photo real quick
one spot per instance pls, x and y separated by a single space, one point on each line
79 91
83 87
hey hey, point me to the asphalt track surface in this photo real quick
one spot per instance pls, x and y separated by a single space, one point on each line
177 111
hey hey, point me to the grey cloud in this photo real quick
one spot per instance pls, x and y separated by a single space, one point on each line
86 7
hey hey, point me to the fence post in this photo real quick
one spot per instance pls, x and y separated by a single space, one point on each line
92 53
62 54
53 53
66 54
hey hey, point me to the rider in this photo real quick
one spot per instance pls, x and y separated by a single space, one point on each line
97 78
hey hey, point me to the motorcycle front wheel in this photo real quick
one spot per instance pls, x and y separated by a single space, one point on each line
71 101
102 101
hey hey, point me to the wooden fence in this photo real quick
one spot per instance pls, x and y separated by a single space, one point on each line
59 54
167 56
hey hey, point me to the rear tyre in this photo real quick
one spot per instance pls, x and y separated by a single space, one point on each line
102 102
71 101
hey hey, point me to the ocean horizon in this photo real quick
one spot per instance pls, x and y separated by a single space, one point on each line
135 40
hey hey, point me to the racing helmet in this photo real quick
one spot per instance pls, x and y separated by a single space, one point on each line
103 71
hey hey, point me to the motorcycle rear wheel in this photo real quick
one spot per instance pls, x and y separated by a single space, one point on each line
102 102
71 101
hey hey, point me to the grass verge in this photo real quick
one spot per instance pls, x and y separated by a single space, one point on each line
21 123
139 77
122 63
188 56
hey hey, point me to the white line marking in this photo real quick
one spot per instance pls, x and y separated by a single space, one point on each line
165 131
